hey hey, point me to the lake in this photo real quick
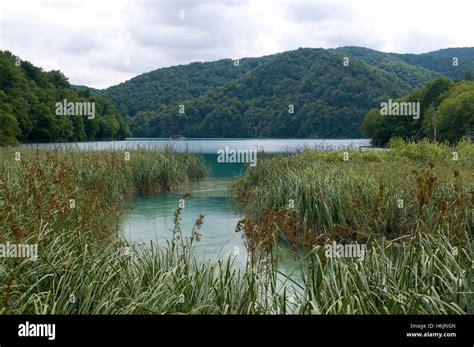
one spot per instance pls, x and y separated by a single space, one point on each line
211 146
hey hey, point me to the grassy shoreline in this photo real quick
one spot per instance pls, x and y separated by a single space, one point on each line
411 206
310 197
84 268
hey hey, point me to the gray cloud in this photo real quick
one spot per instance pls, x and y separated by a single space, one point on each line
319 11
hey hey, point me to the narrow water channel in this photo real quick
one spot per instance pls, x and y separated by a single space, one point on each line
150 216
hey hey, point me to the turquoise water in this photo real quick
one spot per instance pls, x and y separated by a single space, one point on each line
150 216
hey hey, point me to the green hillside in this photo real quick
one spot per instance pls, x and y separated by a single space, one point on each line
28 97
147 92
328 98
415 75
441 61
303 93
415 67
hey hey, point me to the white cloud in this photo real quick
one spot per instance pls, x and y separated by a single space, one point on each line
91 40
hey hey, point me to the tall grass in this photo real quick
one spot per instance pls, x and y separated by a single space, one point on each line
419 260
412 206
425 275
372 195
83 190
77 277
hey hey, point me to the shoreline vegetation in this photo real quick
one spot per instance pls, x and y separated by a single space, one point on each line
418 258
359 196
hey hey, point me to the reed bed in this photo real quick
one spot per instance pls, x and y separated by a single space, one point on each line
426 274
313 197
84 190
77 277
418 259
412 206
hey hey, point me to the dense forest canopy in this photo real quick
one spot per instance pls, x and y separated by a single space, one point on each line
302 93
450 62
447 114
28 98
149 91
414 75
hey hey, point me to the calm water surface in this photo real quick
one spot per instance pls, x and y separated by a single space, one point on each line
150 216
211 146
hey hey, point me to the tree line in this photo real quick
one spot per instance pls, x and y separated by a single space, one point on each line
447 114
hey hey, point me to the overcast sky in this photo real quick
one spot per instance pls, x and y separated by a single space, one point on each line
101 43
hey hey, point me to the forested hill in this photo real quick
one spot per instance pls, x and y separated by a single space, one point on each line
441 61
415 75
28 107
147 92
302 93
